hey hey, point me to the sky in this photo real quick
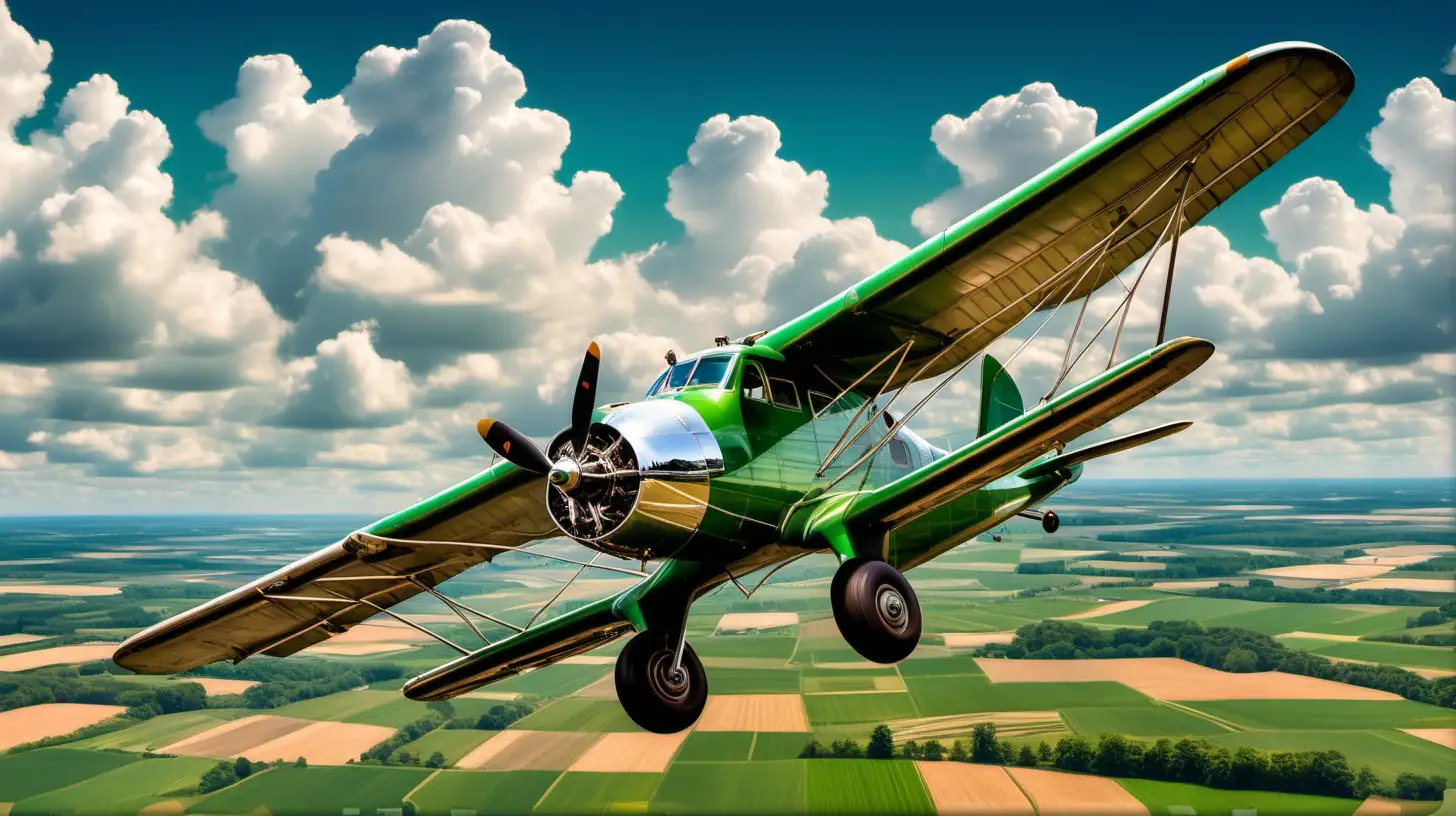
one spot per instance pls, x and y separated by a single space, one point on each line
277 257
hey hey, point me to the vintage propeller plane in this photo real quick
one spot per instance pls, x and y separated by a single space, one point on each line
754 453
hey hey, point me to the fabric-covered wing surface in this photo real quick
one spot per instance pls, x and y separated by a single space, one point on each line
1234 121
329 591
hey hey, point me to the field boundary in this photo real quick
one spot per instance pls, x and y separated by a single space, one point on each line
1020 787
423 782
549 788
1218 721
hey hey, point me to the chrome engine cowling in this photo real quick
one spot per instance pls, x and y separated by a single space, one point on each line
640 488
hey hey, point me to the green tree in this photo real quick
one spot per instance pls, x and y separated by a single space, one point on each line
1241 660
1073 754
958 752
436 760
910 749
218 777
300 763
881 744
812 748
1027 757
243 768
1367 783
983 744
933 751
1043 752
1113 757
1005 752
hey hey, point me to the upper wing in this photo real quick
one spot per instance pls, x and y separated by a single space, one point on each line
1249 113
329 591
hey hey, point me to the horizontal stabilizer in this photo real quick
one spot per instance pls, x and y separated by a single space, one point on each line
1117 445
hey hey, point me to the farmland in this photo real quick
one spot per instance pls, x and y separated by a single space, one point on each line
780 677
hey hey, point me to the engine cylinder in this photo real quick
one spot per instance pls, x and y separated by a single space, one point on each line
642 487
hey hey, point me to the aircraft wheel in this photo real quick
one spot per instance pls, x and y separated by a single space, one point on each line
651 694
1050 522
876 610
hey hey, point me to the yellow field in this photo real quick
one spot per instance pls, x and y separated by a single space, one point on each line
520 750
976 638
959 787
1331 572
1168 678
754 712
321 743
218 685
744 621
58 589
1062 793
1409 584
56 656
1108 609
957 726
11 640
31 723
1440 736
628 752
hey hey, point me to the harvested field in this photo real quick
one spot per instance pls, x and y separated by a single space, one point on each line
1056 793
1106 609
754 712
957 726
1379 806
603 689
630 753
31 723
355 649
234 738
1040 554
321 743
959 787
1409 584
1410 549
12 640
976 638
218 685
1130 566
1157 554
521 750
744 621
56 656
1440 736
1248 550
1319 636
589 660
77 590
1168 678
1390 560
1189 585
1329 572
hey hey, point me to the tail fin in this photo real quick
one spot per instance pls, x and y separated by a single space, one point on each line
1000 398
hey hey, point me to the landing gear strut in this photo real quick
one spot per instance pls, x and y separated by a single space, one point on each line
657 696
876 610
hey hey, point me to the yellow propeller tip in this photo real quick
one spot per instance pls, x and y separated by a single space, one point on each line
483 426
593 350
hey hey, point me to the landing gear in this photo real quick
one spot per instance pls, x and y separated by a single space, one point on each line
1050 523
654 694
876 610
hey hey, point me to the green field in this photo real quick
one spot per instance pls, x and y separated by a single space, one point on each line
1333 715
769 746
1167 797
829 709
753 681
1169 609
732 787
451 792
1149 720
937 696
1391 654
577 792
579 714
36 772
290 791
553 681
716 746
340 706
777 646
126 789
958 665
454 744
862 786
162 731
1387 752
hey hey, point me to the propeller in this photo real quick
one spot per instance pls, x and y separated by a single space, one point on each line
519 450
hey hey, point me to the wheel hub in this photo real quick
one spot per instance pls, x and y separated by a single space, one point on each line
669 683
892 608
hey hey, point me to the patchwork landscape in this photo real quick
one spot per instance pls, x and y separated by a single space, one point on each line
1176 648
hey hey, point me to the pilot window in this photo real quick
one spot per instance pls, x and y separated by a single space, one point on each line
818 402
784 393
710 370
753 382
899 453
677 376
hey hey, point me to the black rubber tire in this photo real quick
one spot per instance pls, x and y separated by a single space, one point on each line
1050 522
871 620
649 695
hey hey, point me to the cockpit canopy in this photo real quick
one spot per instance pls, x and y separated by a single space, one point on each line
709 370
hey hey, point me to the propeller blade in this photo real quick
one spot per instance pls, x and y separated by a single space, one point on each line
585 399
513 446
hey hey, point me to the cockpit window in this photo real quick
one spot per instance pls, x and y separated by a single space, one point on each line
710 370
753 382
657 384
784 393
677 376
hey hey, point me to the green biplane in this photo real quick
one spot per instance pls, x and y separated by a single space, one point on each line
756 452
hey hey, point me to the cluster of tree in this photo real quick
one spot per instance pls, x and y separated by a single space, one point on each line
70 685
1443 563
1263 589
1197 762
285 681
1200 566
1220 647
1431 639
60 617
1236 532
1433 617
383 753
149 592
224 774
497 718
403 757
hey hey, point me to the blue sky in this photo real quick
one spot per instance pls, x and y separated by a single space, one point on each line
252 259
854 87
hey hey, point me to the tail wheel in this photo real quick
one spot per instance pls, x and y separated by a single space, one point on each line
1050 522
876 609
655 696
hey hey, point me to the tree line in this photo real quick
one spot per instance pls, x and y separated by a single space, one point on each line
1220 647
1193 761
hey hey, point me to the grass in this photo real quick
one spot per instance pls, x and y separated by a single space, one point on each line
828 709
290 791
599 792
579 714
1138 721
162 731
778 646
862 786
126 789
736 787
454 744
753 681
36 772
842 681
553 681
715 746
936 696
401 711
1316 715
1393 654
1388 753
1171 609
770 746
957 665
341 706
454 792
1164 797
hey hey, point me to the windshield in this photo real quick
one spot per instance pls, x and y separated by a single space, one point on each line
708 371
